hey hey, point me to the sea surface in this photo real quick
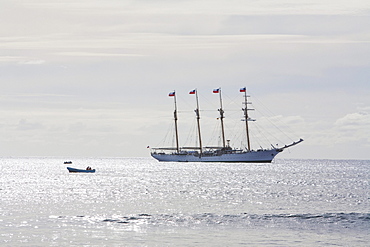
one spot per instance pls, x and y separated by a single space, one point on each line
141 202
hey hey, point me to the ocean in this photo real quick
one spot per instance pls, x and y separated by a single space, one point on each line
141 202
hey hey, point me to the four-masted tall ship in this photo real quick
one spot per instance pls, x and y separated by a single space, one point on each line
224 153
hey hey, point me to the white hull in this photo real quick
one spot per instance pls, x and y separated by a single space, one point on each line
261 156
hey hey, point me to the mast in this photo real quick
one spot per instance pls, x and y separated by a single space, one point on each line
245 109
221 116
198 119
175 118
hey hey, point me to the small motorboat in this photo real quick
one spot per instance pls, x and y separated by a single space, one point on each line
70 169
67 162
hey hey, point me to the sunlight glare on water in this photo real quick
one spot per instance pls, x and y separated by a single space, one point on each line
139 201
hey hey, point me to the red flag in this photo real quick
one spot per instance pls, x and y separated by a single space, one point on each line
171 94
192 91
216 90
243 89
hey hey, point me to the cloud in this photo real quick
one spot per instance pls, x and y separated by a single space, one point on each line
358 122
351 129
6 59
25 125
33 62
87 69
96 54
60 30
207 6
77 127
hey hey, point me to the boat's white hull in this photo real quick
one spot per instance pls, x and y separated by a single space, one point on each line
262 156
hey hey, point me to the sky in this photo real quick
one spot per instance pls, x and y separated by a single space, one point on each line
91 78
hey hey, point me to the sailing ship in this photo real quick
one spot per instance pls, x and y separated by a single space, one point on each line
223 153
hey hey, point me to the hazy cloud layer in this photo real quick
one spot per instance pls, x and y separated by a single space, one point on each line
91 78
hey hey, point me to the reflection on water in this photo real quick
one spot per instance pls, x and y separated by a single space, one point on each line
146 203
